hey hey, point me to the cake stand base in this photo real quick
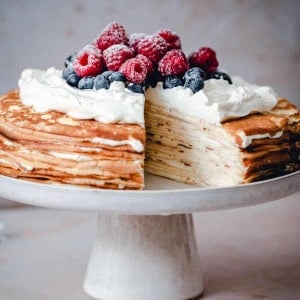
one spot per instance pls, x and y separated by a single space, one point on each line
147 257
144 257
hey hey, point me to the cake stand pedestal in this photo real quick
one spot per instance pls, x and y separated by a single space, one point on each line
145 246
144 257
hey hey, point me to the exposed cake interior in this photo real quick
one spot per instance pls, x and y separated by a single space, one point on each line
196 150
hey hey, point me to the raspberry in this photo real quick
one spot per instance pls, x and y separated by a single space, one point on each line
113 34
146 61
134 39
134 70
154 47
173 63
115 55
171 37
204 58
88 62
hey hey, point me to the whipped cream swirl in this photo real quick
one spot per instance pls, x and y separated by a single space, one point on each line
47 90
218 101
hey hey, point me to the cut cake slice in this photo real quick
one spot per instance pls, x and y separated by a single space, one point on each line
195 151
53 147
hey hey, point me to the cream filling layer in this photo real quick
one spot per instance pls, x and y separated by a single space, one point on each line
247 139
135 144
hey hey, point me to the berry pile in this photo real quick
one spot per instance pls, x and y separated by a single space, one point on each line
140 61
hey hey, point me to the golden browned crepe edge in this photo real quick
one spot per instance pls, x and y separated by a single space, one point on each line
272 155
22 128
283 117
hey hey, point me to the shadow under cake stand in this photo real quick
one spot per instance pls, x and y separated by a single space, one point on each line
145 246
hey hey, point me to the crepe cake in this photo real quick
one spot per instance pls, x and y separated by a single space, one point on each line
53 147
85 124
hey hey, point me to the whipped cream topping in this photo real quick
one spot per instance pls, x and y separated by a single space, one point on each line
218 101
47 90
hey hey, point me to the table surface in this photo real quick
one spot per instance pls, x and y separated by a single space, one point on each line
246 253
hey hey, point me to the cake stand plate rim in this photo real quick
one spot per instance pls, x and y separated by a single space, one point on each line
170 198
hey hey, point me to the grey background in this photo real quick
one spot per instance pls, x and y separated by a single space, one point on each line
248 253
258 40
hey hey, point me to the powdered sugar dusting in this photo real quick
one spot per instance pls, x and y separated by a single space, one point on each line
116 55
88 62
114 33
171 37
146 61
173 63
153 46
116 49
135 38
134 70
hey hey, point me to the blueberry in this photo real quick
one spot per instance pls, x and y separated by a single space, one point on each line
152 79
86 82
101 82
194 83
106 74
194 72
136 88
172 81
67 71
116 76
70 59
72 79
220 75
70 76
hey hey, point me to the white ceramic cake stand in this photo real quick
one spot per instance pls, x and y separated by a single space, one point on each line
145 246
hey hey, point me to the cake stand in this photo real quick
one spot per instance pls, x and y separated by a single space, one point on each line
145 246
